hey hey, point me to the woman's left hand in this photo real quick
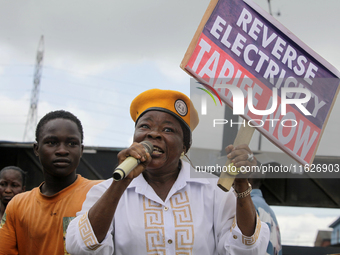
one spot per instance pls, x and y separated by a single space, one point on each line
241 156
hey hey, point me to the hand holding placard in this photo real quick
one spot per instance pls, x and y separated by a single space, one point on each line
244 136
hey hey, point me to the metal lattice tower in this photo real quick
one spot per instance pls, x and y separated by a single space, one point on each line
33 111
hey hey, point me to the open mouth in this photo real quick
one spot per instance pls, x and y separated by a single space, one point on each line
157 150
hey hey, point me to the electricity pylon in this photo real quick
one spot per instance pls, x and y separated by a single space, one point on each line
33 111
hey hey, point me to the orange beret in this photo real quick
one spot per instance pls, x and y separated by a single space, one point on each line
170 101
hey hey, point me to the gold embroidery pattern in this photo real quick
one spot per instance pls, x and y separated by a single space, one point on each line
86 234
184 227
249 240
233 225
154 227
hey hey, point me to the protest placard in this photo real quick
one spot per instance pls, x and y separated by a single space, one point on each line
281 86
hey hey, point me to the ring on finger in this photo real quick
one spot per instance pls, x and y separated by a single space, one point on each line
250 157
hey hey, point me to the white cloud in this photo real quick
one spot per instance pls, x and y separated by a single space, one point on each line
173 72
14 118
302 229
97 33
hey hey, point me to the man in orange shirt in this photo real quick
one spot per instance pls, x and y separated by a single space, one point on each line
35 222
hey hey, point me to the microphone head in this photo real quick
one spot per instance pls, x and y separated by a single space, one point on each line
147 146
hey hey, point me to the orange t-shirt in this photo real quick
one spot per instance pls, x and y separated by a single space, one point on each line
36 224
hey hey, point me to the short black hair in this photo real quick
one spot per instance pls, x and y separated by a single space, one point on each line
22 172
59 114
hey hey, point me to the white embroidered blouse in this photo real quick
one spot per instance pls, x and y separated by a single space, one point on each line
197 217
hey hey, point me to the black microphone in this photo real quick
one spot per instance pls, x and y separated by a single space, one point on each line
130 163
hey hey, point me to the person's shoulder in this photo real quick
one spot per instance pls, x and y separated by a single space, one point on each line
22 198
85 183
208 182
94 192
204 177
88 181
201 178
94 183
26 194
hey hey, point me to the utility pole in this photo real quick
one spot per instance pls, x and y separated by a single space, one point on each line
278 13
33 111
270 8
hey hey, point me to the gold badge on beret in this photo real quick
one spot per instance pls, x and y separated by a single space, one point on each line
181 107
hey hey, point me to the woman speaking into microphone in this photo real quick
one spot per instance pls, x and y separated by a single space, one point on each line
158 208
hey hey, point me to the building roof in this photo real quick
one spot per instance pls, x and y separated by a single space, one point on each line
323 235
335 223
